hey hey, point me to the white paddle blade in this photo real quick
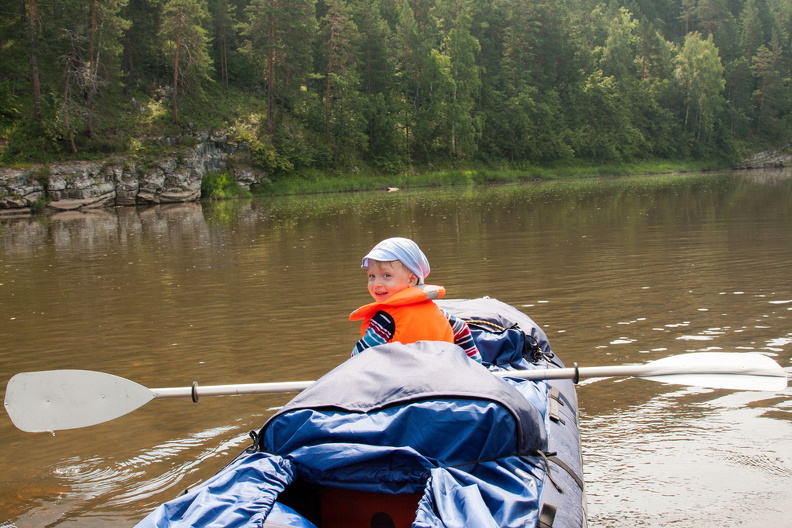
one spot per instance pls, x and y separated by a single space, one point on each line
718 370
53 400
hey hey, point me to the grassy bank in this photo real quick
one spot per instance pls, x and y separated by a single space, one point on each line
318 182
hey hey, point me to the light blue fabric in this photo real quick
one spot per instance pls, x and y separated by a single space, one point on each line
240 496
405 251
495 494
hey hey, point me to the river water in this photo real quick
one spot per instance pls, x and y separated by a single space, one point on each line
618 271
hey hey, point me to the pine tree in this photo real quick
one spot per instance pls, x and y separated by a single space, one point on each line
279 35
343 121
186 42
769 92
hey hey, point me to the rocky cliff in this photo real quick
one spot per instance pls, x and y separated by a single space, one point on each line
770 159
175 178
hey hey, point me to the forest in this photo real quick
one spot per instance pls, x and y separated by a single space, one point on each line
334 85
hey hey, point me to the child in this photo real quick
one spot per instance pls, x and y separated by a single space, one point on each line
403 309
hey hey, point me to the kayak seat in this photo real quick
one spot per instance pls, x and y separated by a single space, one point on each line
344 508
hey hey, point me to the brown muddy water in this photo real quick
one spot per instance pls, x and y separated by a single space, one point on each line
618 271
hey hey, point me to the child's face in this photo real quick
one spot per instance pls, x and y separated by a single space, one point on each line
388 278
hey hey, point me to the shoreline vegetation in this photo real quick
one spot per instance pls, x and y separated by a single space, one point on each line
220 186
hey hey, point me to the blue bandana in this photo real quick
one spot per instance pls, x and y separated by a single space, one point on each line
405 251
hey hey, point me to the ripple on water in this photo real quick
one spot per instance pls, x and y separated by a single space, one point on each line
693 441
109 484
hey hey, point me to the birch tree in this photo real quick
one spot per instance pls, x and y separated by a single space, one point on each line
463 122
699 75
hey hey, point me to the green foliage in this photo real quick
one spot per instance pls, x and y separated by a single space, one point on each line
39 205
30 142
315 182
10 111
221 186
605 131
266 156
335 85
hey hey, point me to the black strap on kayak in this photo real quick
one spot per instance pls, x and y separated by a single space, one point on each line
547 516
256 445
552 457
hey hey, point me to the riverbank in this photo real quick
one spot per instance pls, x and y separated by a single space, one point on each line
503 173
216 169
470 175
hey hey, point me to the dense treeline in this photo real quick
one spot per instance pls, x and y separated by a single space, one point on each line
391 83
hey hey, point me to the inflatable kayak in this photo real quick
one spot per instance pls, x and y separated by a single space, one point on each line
411 436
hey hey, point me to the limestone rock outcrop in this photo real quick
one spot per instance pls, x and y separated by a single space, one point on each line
79 185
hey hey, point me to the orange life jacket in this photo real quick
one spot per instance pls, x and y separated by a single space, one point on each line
417 317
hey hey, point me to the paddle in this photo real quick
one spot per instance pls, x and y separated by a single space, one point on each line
68 399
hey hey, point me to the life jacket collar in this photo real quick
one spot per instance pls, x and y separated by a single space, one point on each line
411 295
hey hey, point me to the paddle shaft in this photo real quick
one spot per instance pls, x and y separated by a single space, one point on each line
635 371
656 369
197 391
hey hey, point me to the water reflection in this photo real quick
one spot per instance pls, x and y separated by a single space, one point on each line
616 271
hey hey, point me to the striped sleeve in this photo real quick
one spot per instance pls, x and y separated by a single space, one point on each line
463 337
380 330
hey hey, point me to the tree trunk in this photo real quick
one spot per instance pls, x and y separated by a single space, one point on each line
93 64
761 105
224 60
176 58
270 78
32 22
328 82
